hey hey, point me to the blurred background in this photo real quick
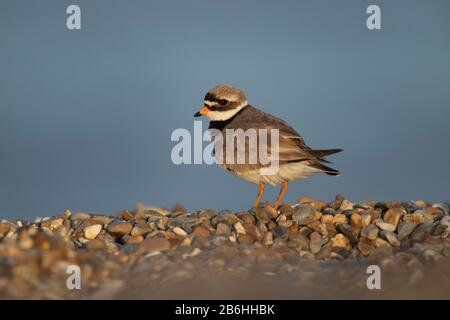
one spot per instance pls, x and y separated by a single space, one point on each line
86 115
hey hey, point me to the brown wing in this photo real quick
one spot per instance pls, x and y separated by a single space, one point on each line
292 148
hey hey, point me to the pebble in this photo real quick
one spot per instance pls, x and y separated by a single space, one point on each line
280 232
119 228
370 232
405 228
393 216
339 218
80 216
91 232
327 218
366 219
239 228
386 226
348 231
346 205
316 204
335 204
263 214
365 246
201 232
223 229
246 217
154 244
132 239
303 215
315 243
268 239
442 206
390 237
96 244
179 231
339 240
245 239
356 221
151 246
422 231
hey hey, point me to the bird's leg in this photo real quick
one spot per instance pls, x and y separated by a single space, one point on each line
284 187
260 193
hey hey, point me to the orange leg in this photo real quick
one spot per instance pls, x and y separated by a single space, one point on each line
260 193
284 187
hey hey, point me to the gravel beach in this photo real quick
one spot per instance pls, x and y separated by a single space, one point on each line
310 249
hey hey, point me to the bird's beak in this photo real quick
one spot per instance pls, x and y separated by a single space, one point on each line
203 111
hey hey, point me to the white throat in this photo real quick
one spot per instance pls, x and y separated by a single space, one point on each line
225 115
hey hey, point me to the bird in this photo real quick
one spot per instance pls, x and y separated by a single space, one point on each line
226 107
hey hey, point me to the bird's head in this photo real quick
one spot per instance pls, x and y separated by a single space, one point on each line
222 102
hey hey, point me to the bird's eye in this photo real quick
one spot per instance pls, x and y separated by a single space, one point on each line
223 102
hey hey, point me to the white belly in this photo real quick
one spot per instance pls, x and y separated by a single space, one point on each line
286 172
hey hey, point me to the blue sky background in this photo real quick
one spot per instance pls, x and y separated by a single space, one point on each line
86 116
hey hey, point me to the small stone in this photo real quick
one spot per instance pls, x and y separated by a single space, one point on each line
422 231
356 221
96 244
390 237
421 203
303 215
339 240
316 204
223 229
91 232
315 242
327 218
335 204
280 232
386 226
154 244
439 229
365 246
67 213
126 215
263 214
339 218
378 242
405 229
268 239
417 217
141 230
381 206
246 217
180 232
370 232
239 228
133 239
346 205
348 232
225 217
366 219
286 209
443 206
119 228
80 216
329 211
201 232
393 216
245 239
317 215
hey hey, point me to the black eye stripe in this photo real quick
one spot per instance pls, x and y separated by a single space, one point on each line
220 108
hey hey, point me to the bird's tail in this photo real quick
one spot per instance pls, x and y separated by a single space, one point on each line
320 154
324 152
324 168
